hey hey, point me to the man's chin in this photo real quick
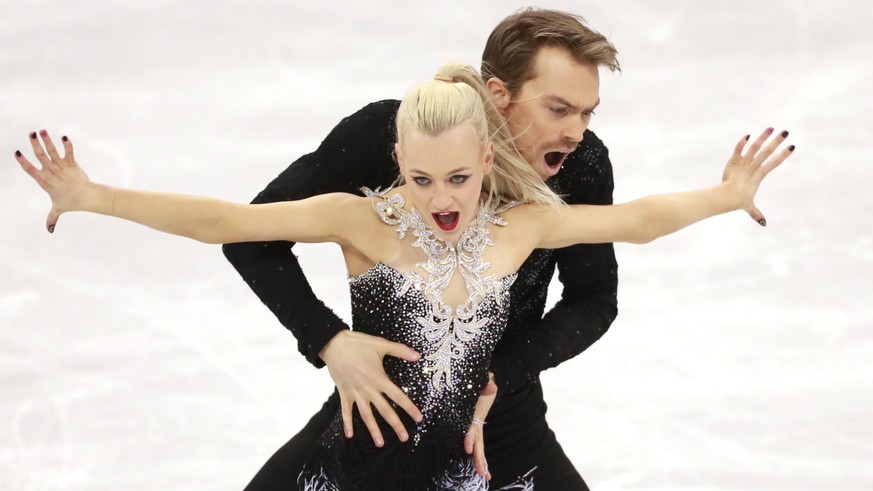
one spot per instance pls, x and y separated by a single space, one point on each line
546 171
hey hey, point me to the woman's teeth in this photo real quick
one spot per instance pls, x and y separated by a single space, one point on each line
446 220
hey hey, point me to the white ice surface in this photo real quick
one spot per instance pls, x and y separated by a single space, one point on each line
741 358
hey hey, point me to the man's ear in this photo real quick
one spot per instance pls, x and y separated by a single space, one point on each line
500 93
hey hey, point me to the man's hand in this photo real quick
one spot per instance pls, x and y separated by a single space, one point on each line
474 441
354 361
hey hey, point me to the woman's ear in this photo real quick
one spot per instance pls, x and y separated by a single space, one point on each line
500 93
489 157
398 155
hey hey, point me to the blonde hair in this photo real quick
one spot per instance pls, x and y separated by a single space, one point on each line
455 97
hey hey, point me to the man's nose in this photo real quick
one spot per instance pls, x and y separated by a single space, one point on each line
575 128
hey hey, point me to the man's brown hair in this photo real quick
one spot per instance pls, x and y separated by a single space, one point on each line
513 44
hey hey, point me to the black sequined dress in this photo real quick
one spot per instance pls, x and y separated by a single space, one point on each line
455 344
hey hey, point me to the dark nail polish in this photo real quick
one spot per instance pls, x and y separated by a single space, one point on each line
762 222
43 133
784 133
64 138
769 130
51 229
791 148
747 137
33 135
18 153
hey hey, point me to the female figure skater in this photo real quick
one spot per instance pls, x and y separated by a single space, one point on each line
430 261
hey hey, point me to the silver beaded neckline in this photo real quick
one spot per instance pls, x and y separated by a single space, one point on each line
446 330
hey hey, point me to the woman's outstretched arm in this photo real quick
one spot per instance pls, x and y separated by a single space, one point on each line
646 219
204 219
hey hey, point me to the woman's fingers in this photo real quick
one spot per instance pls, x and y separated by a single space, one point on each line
479 457
474 440
756 145
29 168
51 221
738 149
39 152
757 216
768 150
68 150
50 147
474 444
776 160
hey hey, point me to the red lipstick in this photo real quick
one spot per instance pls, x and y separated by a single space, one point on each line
446 220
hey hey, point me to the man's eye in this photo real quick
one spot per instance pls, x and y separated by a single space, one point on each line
421 181
458 179
561 111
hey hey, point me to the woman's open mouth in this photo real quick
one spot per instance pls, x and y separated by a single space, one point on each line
446 220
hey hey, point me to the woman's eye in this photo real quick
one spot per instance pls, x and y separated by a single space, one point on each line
421 181
458 179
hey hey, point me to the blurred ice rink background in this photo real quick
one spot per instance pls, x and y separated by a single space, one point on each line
131 360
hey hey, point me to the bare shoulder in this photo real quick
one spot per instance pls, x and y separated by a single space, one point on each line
364 231
353 210
526 224
532 216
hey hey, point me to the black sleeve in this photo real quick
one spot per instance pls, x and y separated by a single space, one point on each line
588 305
357 152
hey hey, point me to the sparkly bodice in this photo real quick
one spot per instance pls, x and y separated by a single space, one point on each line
447 380
455 344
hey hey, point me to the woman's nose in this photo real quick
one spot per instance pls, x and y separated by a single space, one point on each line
442 200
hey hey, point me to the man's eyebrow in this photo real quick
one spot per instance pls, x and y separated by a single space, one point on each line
573 107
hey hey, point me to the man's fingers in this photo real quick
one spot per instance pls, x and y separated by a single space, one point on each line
400 350
390 417
367 416
403 401
348 427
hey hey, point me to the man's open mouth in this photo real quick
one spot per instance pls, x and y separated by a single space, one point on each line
555 159
446 220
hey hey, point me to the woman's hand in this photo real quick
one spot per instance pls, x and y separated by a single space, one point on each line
354 361
474 440
744 172
61 177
